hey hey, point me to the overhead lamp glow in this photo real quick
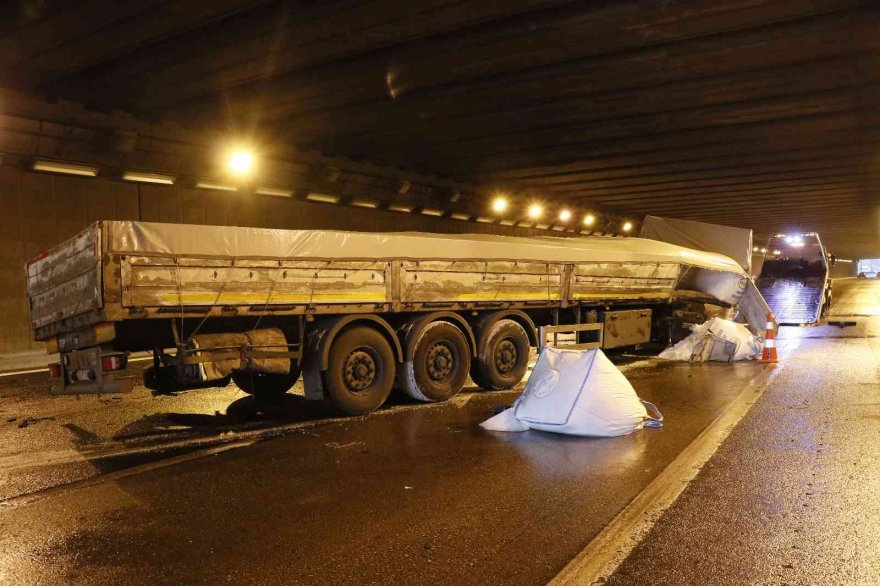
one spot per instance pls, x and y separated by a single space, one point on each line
589 220
462 217
431 212
777 252
396 207
565 215
627 226
535 211
499 205
138 177
241 163
763 251
65 168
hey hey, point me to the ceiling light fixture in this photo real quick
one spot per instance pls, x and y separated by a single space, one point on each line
275 191
215 186
241 163
65 168
499 204
365 203
322 198
138 177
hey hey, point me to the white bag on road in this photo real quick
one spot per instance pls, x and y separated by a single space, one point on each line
744 344
576 393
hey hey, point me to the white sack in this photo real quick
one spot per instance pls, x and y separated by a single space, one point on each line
579 393
504 421
748 346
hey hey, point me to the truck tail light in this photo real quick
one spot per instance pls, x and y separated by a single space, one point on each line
113 362
55 370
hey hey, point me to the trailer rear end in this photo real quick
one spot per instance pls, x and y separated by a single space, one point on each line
66 299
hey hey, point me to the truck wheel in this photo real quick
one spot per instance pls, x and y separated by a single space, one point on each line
440 364
360 373
503 355
265 386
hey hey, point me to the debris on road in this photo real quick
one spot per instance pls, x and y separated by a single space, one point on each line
576 393
29 420
719 340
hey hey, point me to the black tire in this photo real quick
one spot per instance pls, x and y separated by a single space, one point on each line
360 372
264 386
441 360
502 357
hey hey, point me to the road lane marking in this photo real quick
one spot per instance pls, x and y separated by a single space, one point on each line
598 561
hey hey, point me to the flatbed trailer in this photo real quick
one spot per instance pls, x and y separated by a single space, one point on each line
355 313
795 280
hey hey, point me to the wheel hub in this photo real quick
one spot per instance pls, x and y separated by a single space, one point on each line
440 361
359 370
506 357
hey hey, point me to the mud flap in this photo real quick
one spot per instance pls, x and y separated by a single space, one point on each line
313 382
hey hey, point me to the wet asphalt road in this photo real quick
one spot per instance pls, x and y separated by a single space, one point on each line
856 297
419 494
793 495
411 495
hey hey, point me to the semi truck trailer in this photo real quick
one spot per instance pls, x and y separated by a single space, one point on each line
354 314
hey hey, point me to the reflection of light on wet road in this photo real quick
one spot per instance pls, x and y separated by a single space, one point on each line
856 297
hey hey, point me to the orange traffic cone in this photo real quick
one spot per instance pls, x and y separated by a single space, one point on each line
769 353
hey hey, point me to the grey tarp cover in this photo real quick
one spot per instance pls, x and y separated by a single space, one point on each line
733 242
127 237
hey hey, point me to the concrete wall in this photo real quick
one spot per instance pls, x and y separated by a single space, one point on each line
38 211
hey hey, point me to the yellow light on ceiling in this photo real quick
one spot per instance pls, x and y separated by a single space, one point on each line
627 226
241 162
589 220
499 204
535 211
565 215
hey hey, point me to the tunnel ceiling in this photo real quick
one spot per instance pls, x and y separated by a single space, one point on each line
760 114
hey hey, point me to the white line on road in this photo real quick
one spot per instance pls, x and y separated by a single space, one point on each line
606 551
